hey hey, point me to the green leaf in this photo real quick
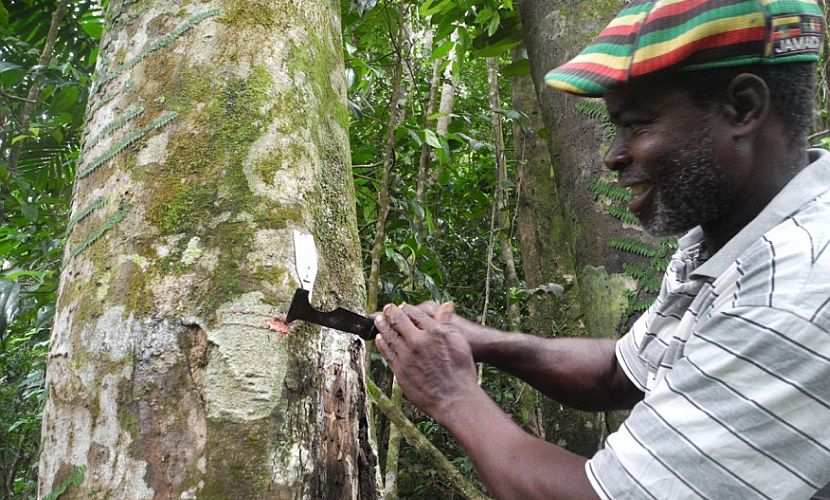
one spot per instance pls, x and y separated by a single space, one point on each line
10 73
415 137
75 479
516 68
442 50
92 25
495 21
430 7
4 16
66 98
496 48
29 211
432 139
19 138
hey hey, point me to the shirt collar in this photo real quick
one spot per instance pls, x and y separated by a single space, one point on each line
807 185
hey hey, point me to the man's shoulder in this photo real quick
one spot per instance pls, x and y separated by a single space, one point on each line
801 238
789 266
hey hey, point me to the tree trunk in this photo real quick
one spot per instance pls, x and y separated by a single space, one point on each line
216 132
566 232
547 256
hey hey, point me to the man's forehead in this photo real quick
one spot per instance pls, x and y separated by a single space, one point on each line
645 96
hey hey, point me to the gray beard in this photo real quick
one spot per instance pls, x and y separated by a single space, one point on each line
692 189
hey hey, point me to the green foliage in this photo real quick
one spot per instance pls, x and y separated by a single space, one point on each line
124 143
96 233
633 246
74 479
34 206
595 109
435 249
611 191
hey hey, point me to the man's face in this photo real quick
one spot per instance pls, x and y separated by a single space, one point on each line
666 153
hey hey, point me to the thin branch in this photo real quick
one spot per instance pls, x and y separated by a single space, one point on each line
13 467
5 94
818 135
417 439
483 318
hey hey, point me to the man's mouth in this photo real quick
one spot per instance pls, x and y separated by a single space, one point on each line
641 191
639 188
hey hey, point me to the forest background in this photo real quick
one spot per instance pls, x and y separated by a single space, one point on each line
469 188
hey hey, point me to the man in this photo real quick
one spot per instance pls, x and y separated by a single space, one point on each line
727 374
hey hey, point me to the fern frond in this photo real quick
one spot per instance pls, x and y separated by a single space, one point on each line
95 235
155 47
595 109
624 214
114 125
85 212
632 246
611 191
126 141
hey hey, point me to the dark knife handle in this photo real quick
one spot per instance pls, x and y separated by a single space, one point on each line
339 319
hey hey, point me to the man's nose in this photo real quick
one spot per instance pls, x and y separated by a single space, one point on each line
618 156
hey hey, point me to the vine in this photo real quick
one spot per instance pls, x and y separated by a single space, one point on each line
84 213
100 104
129 139
113 221
632 246
116 124
156 46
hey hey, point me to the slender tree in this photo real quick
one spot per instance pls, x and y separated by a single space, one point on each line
511 277
216 135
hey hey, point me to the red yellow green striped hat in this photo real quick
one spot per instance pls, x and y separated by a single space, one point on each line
651 36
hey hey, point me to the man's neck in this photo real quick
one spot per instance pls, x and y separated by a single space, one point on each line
768 179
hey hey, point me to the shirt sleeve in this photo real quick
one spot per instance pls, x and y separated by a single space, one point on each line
628 353
743 414
630 362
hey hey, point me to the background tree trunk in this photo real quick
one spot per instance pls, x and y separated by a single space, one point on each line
216 131
565 231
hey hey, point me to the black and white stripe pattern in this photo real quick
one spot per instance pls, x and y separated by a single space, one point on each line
735 364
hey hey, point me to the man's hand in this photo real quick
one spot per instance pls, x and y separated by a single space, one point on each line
432 360
430 357
479 338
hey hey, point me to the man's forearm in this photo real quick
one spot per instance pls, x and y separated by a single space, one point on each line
578 372
512 463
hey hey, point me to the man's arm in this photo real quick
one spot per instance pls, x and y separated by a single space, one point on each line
435 368
582 373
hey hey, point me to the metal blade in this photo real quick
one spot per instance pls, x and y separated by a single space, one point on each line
339 319
305 259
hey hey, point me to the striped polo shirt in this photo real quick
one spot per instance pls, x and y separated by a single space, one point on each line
734 361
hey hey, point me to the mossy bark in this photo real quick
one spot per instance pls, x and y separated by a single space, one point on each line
163 380
564 232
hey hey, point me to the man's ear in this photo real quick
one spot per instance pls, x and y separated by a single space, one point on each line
747 104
